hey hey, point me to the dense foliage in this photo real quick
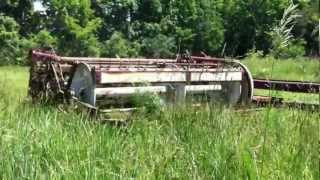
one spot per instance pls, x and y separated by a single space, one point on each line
153 28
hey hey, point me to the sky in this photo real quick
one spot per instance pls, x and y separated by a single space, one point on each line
38 6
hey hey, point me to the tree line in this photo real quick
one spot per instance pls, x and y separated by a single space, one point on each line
152 28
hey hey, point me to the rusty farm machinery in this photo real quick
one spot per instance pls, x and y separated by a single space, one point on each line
97 81
104 83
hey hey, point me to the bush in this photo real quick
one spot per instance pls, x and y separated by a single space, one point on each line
150 102
295 49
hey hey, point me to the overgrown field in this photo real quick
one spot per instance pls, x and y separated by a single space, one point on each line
299 69
40 142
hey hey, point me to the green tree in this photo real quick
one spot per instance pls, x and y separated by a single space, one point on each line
143 27
13 48
116 16
308 26
75 25
43 39
149 11
21 11
209 29
159 46
198 25
118 46
246 23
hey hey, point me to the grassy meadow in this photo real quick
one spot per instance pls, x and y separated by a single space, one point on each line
42 142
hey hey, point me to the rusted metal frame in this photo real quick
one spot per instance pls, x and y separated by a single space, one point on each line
142 67
120 62
44 56
61 72
160 64
263 101
211 59
97 60
292 86
86 105
146 62
56 76
116 69
41 55
303 106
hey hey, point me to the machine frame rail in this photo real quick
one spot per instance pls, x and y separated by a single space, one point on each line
292 86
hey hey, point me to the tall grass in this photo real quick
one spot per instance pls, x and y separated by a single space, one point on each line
40 142
281 33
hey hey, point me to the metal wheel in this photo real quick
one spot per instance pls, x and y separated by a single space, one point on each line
83 84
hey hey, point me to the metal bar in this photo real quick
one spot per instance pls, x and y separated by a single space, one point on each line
163 70
127 91
292 86
95 60
99 60
141 84
124 110
153 64
141 62
211 59
263 101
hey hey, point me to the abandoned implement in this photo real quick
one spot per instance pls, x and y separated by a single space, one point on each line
99 82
